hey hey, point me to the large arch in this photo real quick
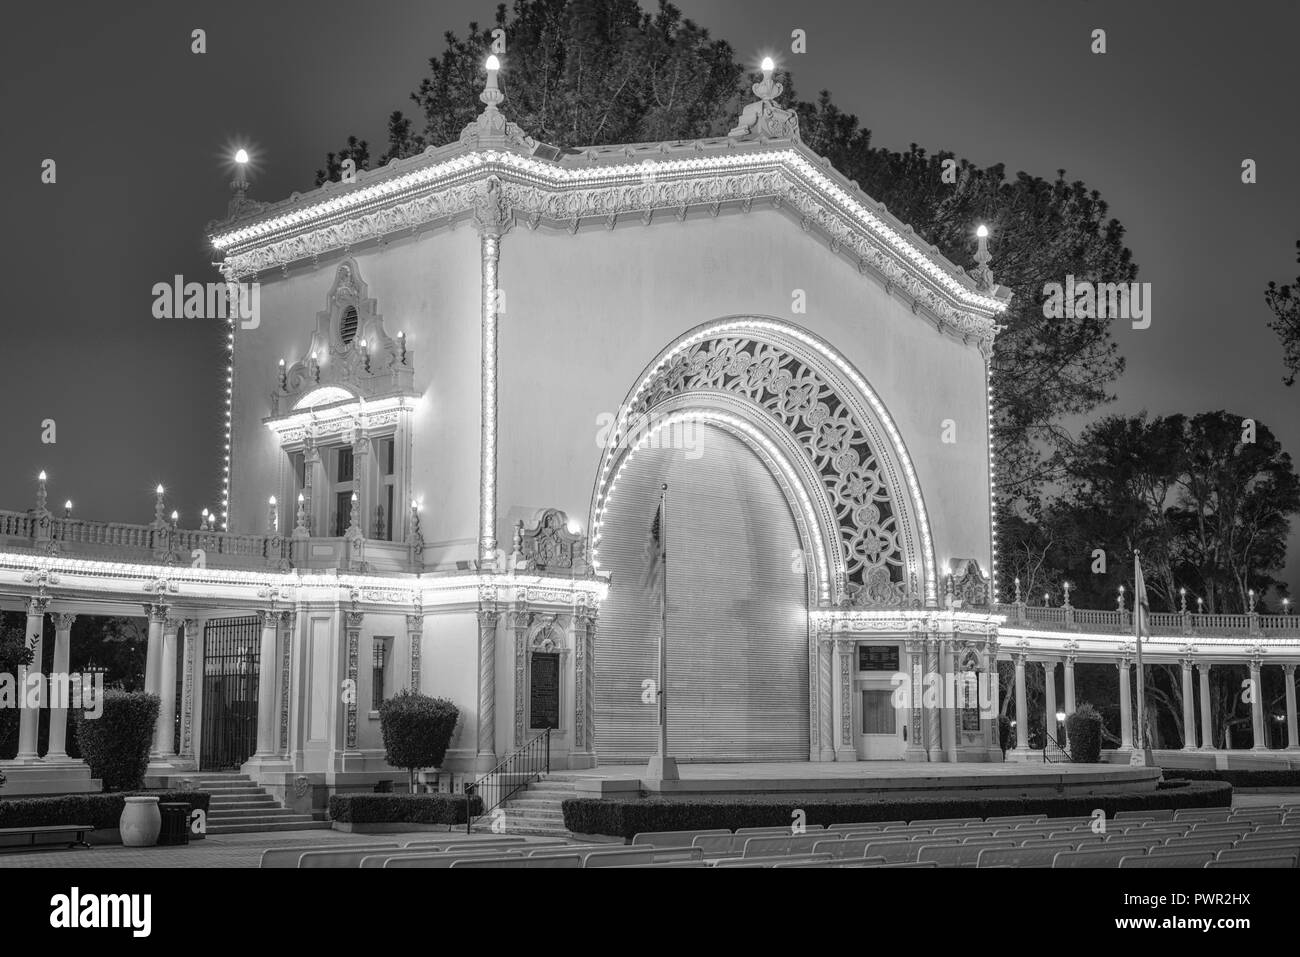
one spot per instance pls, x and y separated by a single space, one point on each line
827 433
826 439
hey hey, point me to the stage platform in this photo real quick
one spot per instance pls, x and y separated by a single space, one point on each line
826 781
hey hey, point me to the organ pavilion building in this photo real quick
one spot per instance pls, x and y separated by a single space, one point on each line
468 379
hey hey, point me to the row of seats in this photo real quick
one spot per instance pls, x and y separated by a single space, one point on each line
1218 837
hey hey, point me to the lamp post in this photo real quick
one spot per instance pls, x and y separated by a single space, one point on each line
67 510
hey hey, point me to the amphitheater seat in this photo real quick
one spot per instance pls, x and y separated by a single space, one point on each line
1093 857
1031 855
675 838
1199 859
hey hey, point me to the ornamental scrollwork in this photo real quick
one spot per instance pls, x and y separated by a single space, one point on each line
831 436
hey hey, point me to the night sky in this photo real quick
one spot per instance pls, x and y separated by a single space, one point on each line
142 130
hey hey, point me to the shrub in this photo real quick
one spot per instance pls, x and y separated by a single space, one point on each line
96 810
16 651
1083 728
1280 778
629 818
402 808
116 744
417 730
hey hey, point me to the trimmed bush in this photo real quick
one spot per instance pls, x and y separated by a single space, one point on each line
417 730
1083 728
402 808
1238 779
629 818
96 810
116 744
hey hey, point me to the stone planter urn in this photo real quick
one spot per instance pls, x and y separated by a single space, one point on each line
140 822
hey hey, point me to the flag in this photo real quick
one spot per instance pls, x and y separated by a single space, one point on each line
1141 605
655 554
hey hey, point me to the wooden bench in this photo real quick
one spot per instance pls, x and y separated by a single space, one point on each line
76 831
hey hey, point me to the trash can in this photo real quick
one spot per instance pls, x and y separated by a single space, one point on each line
175 823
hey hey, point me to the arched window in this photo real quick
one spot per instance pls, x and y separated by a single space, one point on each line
348 325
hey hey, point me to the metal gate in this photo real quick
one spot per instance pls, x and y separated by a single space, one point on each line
231 649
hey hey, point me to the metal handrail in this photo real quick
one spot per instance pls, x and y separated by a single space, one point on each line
1048 741
512 774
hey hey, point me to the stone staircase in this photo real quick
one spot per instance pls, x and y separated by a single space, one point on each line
535 810
240 807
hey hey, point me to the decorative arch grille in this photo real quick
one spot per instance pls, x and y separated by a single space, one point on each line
829 434
348 325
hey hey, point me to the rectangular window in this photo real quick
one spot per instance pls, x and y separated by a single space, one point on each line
344 459
878 658
386 455
878 715
379 671
343 513
390 519
298 461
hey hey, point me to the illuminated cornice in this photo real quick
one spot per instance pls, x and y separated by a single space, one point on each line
602 185
339 416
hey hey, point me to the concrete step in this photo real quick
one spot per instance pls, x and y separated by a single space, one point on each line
300 822
226 814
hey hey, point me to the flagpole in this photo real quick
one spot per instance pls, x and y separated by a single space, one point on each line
1141 607
664 767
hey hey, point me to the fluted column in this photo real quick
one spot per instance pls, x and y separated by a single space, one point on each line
487 684
1257 729
1049 701
1069 697
1125 706
1189 706
266 684
165 731
1022 704
1292 739
29 718
153 666
58 746
1207 724
951 741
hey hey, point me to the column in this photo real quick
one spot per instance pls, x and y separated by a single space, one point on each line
584 689
352 626
1049 702
1257 729
915 727
1022 705
1069 697
1189 707
1125 706
1207 727
164 731
1292 739
934 709
29 718
193 628
57 749
266 671
951 742
288 624
153 650
487 683
842 696
493 217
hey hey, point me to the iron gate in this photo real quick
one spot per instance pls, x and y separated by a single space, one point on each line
231 652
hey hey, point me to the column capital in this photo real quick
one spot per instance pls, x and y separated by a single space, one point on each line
488 616
269 618
1123 662
171 625
353 619
156 612
415 623
38 604
63 620
1288 668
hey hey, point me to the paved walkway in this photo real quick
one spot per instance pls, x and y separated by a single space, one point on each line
227 850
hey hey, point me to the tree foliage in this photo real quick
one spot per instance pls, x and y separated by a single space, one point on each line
1284 302
1207 500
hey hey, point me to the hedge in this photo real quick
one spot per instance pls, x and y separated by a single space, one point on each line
116 744
1240 778
401 808
628 818
96 810
1083 728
